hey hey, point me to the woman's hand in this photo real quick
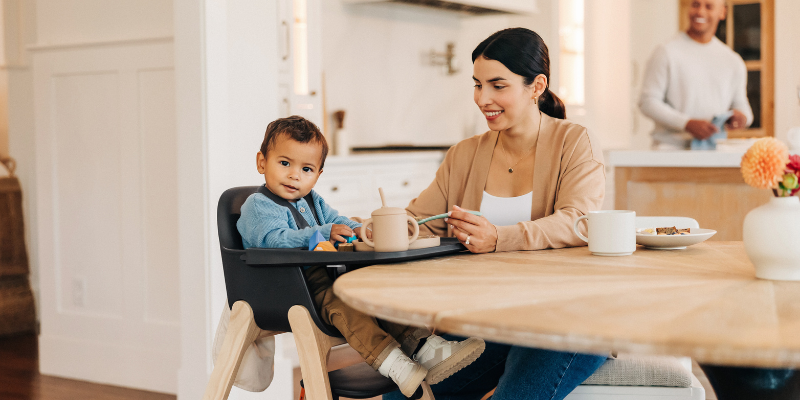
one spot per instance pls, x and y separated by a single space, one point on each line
358 233
475 232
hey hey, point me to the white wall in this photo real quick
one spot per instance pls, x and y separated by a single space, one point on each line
375 64
226 91
653 22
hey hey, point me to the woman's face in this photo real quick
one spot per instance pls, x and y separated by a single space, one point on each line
502 95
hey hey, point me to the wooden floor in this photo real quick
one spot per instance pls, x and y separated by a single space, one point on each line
20 378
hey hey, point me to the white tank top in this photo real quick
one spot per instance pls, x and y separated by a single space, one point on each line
503 211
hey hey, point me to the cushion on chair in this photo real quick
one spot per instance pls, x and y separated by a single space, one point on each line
628 370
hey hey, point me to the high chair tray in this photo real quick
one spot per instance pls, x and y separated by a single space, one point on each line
300 257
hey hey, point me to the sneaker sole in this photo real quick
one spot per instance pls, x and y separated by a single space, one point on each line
410 387
456 362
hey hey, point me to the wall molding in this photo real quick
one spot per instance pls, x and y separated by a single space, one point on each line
42 47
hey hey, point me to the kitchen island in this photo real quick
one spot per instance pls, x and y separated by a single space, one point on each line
704 185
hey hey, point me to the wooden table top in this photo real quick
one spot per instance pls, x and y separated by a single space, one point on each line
703 302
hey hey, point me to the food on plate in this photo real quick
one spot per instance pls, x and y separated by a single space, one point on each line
668 231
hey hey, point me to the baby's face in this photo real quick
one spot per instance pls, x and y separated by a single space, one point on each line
291 168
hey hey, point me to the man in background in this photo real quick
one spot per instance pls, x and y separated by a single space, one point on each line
693 78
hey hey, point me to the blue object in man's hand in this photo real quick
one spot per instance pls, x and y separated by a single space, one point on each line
711 143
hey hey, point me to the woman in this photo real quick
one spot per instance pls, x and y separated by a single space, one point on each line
531 175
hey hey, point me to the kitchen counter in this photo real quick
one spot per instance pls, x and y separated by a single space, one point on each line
704 185
679 158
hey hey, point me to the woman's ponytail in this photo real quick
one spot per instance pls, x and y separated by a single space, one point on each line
551 105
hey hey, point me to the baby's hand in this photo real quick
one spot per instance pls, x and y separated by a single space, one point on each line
340 233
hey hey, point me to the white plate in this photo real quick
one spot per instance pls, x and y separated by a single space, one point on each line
674 242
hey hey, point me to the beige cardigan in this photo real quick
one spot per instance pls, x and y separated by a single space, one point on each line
568 181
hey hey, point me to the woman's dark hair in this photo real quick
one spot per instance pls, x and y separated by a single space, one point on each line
524 53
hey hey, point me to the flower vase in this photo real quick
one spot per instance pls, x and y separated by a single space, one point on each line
772 239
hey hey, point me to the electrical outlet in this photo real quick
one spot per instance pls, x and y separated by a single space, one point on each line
78 292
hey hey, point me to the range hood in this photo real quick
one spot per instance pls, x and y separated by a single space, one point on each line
473 7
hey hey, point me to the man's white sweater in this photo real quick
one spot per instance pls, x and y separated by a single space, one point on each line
687 80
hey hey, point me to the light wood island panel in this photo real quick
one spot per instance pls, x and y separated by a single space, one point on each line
717 198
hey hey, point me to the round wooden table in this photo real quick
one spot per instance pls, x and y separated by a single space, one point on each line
703 302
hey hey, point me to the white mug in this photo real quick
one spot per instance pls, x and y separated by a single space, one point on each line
611 232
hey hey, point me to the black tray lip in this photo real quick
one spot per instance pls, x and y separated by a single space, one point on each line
258 257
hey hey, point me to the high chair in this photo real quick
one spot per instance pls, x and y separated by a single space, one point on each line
271 300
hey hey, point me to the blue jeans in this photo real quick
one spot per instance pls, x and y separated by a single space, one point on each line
517 372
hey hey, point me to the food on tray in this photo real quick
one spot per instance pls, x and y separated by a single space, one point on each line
668 231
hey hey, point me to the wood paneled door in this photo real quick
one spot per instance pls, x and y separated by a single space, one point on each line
749 30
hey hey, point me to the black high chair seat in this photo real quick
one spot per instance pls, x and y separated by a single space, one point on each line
271 290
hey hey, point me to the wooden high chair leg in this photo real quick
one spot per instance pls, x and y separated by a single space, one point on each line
242 331
313 347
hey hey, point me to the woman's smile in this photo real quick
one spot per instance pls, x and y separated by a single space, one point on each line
492 115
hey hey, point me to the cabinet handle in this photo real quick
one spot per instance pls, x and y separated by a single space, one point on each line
285 27
335 189
405 183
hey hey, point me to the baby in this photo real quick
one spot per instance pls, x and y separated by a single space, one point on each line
286 212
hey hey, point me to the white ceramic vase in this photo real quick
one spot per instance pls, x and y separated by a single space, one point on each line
772 239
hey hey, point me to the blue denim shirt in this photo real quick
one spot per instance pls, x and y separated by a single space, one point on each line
266 224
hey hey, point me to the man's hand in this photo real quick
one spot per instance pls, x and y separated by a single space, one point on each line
700 129
340 233
736 121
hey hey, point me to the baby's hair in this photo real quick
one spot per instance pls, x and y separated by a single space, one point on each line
296 128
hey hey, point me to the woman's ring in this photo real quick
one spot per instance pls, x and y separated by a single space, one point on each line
467 241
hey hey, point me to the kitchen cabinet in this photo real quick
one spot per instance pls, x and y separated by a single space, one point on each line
704 185
300 59
350 184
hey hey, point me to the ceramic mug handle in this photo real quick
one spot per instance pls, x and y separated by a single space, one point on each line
416 229
364 237
575 228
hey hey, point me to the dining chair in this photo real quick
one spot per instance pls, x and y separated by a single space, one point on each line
267 301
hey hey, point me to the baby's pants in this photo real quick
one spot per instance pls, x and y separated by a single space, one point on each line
371 338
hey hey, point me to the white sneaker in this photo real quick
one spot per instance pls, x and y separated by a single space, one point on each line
405 372
443 358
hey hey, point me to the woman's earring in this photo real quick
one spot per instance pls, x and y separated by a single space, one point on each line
536 100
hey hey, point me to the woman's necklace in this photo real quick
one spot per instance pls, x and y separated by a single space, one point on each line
511 168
